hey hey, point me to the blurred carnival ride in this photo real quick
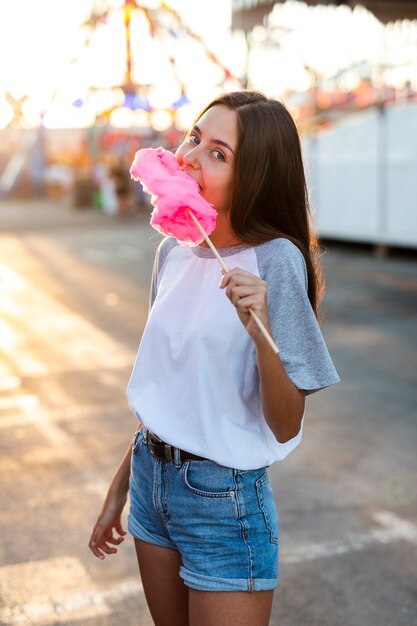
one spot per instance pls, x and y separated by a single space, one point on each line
87 166
135 113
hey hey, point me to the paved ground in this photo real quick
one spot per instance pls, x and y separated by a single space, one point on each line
73 302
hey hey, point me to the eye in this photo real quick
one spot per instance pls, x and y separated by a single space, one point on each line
194 139
218 155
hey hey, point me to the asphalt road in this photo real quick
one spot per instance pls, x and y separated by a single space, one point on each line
73 303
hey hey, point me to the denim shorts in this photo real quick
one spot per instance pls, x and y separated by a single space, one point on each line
223 521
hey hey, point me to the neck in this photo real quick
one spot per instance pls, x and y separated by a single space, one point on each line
223 235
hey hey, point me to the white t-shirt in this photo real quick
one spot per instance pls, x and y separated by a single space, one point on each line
195 381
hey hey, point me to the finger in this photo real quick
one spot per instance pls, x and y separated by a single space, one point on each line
119 529
242 278
97 540
107 549
237 292
97 535
115 540
224 281
244 304
236 271
95 550
234 292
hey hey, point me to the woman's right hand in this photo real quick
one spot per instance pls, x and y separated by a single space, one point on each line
109 519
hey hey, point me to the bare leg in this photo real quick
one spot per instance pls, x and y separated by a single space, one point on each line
165 592
230 608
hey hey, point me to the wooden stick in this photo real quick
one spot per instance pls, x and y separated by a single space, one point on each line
226 269
207 240
264 331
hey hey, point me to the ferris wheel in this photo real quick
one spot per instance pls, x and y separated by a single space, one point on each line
168 31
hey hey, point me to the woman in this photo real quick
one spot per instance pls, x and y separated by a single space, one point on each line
216 405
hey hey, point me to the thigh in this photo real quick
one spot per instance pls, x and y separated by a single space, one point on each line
165 592
225 608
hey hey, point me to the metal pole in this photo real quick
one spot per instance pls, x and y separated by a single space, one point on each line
128 6
247 59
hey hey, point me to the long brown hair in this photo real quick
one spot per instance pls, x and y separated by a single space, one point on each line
270 197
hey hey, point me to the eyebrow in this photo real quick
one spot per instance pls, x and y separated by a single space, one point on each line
218 141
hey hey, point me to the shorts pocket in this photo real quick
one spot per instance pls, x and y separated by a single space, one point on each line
266 503
137 439
208 479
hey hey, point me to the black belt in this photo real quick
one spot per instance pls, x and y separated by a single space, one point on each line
161 450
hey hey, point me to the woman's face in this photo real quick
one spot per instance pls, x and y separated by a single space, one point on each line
207 154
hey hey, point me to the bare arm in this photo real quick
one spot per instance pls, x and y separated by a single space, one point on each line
111 511
120 480
282 402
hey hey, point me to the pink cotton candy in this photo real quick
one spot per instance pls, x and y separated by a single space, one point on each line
173 191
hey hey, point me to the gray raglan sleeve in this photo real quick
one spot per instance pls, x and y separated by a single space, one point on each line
161 254
303 351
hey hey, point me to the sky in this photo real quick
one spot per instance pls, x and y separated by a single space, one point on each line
43 53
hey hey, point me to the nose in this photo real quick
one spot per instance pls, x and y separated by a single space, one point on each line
190 158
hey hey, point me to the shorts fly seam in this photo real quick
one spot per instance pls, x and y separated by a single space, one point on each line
164 496
159 490
244 531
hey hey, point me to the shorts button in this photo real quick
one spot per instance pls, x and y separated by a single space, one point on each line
232 493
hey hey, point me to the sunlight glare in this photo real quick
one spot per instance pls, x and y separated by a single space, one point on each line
122 118
142 119
185 117
163 96
8 338
9 383
10 280
161 120
6 112
64 115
